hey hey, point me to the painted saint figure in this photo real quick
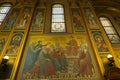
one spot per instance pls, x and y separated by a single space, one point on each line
102 47
24 19
72 47
11 20
85 62
78 24
38 21
91 19
2 42
13 47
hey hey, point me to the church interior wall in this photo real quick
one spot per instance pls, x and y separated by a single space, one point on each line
37 53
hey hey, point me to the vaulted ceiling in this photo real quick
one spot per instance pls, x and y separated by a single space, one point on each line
111 7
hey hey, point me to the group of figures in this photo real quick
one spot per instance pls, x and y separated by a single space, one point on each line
53 60
22 21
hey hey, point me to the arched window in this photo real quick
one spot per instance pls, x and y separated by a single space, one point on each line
58 20
110 30
4 9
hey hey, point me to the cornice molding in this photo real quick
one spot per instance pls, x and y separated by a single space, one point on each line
105 3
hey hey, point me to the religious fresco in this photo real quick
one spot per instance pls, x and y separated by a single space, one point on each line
77 20
11 20
12 50
24 18
2 42
51 57
14 44
38 20
90 18
100 42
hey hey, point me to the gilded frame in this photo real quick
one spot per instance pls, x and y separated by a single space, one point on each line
24 18
10 22
13 46
38 20
90 18
55 42
3 39
100 42
77 20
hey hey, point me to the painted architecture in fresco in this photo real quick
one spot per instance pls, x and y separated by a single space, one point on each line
51 57
54 39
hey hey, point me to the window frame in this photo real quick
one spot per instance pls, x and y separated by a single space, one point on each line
113 29
9 5
63 15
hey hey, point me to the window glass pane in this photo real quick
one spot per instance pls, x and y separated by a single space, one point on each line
106 23
58 27
57 5
110 30
57 18
58 21
2 16
3 11
58 11
114 38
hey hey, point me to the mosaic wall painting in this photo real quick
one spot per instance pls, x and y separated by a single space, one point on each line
78 23
51 57
100 43
24 18
14 44
11 20
90 17
38 20
2 42
12 51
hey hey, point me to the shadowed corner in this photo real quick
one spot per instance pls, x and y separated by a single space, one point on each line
6 67
4 62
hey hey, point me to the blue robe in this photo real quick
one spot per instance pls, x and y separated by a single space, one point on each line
31 57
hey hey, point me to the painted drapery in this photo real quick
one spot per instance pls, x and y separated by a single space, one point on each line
52 57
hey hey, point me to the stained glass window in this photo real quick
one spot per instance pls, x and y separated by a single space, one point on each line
4 9
58 20
110 30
